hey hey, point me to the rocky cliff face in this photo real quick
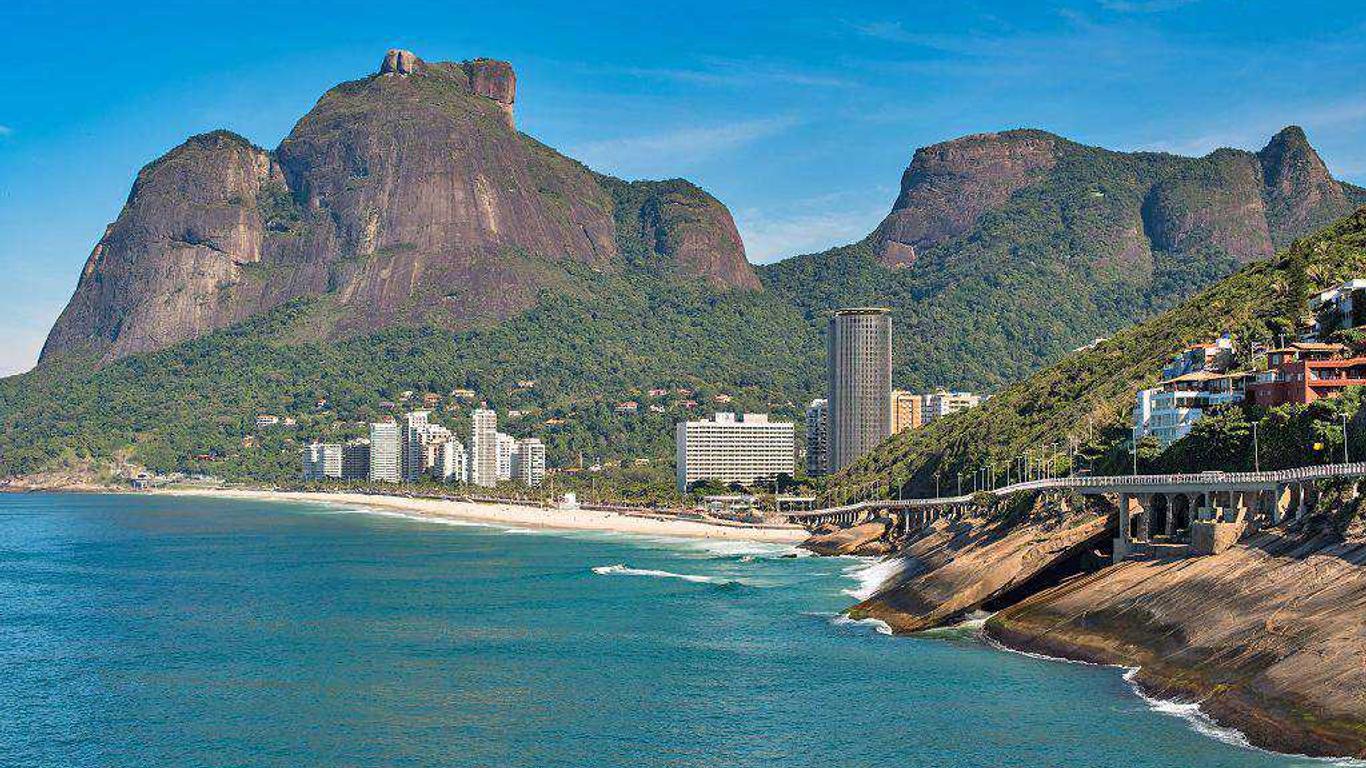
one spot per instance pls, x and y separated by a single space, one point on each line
404 197
1231 201
1269 637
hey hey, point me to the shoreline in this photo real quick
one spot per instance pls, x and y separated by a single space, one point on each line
519 515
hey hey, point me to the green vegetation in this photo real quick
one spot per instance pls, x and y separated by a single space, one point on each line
1084 401
200 398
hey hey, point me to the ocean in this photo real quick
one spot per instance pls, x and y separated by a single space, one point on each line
174 631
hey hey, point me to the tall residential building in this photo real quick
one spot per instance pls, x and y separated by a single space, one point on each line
728 449
483 448
386 453
414 424
323 461
858 382
506 447
451 464
817 436
937 405
906 410
356 460
529 462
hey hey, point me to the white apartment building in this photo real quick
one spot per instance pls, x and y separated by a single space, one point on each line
323 461
483 448
506 447
940 404
734 449
1169 410
386 454
529 462
451 464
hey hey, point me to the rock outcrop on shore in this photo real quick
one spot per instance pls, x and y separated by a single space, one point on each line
960 566
1269 636
865 539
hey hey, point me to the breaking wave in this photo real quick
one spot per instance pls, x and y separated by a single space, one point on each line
621 569
872 576
878 625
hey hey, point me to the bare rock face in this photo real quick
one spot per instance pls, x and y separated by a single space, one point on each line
399 62
949 185
1269 636
402 198
176 262
494 80
1301 195
1213 202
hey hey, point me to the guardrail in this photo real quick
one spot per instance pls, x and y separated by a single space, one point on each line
1110 483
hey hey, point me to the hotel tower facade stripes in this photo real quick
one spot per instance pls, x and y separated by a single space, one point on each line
858 382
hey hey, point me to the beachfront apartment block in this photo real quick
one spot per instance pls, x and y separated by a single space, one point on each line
506 446
450 464
356 460
727 448
323 461
483 448
528 462
386 452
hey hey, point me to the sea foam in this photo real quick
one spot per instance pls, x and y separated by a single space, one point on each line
871 576
621 569
880 626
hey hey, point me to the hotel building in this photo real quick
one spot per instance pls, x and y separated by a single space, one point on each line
730 449
858 382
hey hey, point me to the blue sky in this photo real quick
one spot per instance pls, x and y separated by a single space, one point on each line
800 117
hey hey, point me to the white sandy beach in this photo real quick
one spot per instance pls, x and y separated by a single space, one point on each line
522 516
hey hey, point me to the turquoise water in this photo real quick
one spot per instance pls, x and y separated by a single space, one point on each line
189 632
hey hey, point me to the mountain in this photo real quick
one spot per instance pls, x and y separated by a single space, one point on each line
1085 400
407 197
405 236
1003 251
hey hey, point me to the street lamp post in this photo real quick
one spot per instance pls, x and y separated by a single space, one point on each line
1256 450
1345 460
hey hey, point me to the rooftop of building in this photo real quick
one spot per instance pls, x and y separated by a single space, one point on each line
862 311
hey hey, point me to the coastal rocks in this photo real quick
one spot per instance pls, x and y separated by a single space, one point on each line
1270 635
864 539
962 566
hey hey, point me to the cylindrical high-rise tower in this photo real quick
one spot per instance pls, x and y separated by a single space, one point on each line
858 382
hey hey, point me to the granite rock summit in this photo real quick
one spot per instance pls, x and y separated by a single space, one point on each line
406 197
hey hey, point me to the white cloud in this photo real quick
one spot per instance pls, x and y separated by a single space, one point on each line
669 151
809 226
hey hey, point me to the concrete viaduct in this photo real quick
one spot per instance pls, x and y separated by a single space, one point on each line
1158 514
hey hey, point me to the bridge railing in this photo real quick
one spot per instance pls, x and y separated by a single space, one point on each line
1113 483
